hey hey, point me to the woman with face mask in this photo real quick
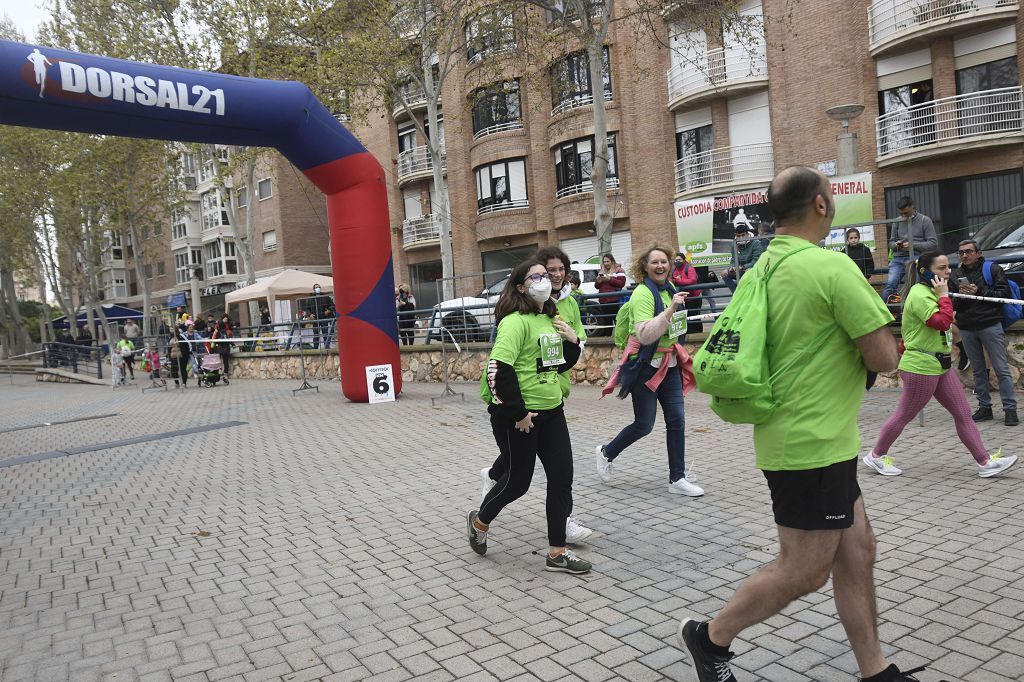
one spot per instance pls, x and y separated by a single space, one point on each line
521 388
655 369
924 370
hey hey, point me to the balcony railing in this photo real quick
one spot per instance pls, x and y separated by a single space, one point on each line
417 160
587 186
421 230
972 116
502 206
497 128
715 71
726 166
414 96
891 20
576 102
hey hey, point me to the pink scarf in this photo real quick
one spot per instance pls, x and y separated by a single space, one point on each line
684 363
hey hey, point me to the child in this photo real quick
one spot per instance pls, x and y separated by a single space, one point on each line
860 254
574 284
152 360
117 362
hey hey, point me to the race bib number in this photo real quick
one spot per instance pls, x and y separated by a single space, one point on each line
678 324
551 350
949 338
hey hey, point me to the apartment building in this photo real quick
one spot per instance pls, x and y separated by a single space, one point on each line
291 231
712 116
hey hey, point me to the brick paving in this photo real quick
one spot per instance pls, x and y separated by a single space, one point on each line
325 540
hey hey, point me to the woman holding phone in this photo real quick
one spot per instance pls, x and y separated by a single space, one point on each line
924 370
524 399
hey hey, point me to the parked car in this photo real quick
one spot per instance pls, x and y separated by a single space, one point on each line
471 318
1002 238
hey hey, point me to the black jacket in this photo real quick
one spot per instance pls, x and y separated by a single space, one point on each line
975 315
861 255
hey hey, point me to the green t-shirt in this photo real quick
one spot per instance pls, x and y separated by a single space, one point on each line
569 311
642 309
519 343
921 304
816 425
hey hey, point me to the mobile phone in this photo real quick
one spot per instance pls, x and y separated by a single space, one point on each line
962 281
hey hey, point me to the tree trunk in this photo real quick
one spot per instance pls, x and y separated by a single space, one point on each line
440 183
17 331
603 217
248 252
140 273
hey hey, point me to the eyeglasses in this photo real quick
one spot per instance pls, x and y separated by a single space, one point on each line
537 277
966 252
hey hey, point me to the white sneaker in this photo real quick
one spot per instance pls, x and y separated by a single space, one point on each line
575 532
883 464
604 465
485 476
684 487
996 464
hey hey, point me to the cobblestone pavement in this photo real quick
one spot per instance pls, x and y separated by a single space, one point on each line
323 539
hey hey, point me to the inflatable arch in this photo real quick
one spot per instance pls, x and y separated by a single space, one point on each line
42 87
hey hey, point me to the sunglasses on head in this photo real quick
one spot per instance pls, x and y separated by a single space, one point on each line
966 252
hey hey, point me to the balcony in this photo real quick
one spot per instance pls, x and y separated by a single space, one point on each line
414 164
422 231
949 125
727 168
501 205
584 187
895 23
577 102
414 97
497 128
408 23
715 73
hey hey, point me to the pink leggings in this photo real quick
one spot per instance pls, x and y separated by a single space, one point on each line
918 389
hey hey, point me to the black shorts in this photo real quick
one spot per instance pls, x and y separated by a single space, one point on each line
815 499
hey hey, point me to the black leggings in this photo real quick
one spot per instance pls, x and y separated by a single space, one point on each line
548 440
182 369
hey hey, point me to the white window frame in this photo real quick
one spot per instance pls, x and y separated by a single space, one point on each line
272 245
259 189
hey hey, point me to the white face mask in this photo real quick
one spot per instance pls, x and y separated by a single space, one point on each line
540 291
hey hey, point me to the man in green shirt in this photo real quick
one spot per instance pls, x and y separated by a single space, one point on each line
808 449
559 269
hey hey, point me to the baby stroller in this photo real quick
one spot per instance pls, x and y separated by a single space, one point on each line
207 368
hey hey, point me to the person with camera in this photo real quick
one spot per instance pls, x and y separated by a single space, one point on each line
747 253
928 335
981 328
913 234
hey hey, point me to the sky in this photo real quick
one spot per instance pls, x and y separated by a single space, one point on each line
26 14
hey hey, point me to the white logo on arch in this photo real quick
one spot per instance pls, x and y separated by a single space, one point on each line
39 63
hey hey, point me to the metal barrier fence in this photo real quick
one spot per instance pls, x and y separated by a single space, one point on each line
79 359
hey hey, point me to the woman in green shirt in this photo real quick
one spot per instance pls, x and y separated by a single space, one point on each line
521 387
924 370
656 369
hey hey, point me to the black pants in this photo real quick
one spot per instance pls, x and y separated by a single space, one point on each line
182 367
406 331
225 359
129 363
547 440
693 306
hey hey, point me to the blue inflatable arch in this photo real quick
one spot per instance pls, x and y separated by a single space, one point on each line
43 87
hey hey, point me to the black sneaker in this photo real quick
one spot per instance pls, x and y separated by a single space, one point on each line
894 674
708 666
1011 418
983 414
567 562
477 537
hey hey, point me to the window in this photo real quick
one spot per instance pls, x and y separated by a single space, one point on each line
1001 73
574 163
242 197
691 145
230 260
497 108
270 240
907 120
406 138
220 258
501 185
179 223
213 214
487 32
181 267
147 269
570 81
264 189
161 269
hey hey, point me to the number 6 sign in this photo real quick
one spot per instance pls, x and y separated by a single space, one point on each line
380 384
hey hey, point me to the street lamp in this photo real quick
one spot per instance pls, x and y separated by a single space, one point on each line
846 157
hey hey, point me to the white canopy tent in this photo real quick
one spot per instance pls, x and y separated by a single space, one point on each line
285 284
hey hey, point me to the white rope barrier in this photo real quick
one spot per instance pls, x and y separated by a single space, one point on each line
989 299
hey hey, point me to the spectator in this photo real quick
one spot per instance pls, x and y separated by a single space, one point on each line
200 326
611 278
127 350
981 328
164 332
684 275
765 233
84 336
405 304
914 233
222 330
574 291
152 360
747 253
186 343
653 369
860 253
174 355
133 332
924 370
265 320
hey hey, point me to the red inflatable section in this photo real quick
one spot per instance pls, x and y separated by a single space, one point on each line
361 263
